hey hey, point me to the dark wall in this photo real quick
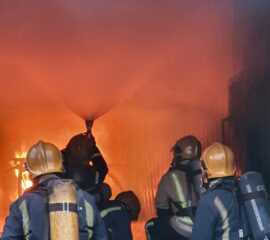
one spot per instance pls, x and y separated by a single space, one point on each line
249 95
250 121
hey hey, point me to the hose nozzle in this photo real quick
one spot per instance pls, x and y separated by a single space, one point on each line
89 124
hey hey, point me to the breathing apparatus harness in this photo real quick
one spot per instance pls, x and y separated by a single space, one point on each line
232 186
189 173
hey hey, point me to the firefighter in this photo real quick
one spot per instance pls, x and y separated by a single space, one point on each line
84 162
31 216
220 214
119 213
176 198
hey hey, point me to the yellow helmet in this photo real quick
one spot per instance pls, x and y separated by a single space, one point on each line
43 157
218 161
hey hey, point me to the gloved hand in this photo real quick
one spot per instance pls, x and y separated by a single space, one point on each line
91 138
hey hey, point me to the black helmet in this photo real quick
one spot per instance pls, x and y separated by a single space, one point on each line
187 148
79 151
132 202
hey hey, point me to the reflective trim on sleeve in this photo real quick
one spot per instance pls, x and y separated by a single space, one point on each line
25 219
179 190
89 217
104 212
224 216
182 225
185 220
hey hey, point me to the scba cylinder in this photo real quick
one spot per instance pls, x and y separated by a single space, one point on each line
63 211
196 175
257 204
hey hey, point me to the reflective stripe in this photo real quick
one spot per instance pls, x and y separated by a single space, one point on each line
255 209
185 220
182 225
96 155
104 212
224 216
25 219
89 215
179 191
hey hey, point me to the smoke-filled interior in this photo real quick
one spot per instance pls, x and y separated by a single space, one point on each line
147 72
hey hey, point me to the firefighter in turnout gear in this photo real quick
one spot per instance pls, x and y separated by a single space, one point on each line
119 213
84 163
176 196
220 214
52 200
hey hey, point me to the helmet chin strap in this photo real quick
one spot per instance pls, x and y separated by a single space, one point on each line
205 182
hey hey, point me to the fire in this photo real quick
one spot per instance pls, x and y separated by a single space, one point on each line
21 155
26 182
16 172
20 173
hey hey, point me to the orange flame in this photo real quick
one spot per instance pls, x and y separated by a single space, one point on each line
21 155
25 180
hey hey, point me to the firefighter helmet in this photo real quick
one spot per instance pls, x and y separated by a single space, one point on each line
43 157
79 150
188 147
218 161
132 202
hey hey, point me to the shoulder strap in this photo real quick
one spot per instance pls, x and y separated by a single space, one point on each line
189 211
42 190
46 232
89 213
238 200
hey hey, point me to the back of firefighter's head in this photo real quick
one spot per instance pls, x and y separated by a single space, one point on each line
187 148
79 150
132 202
43 158
218 161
